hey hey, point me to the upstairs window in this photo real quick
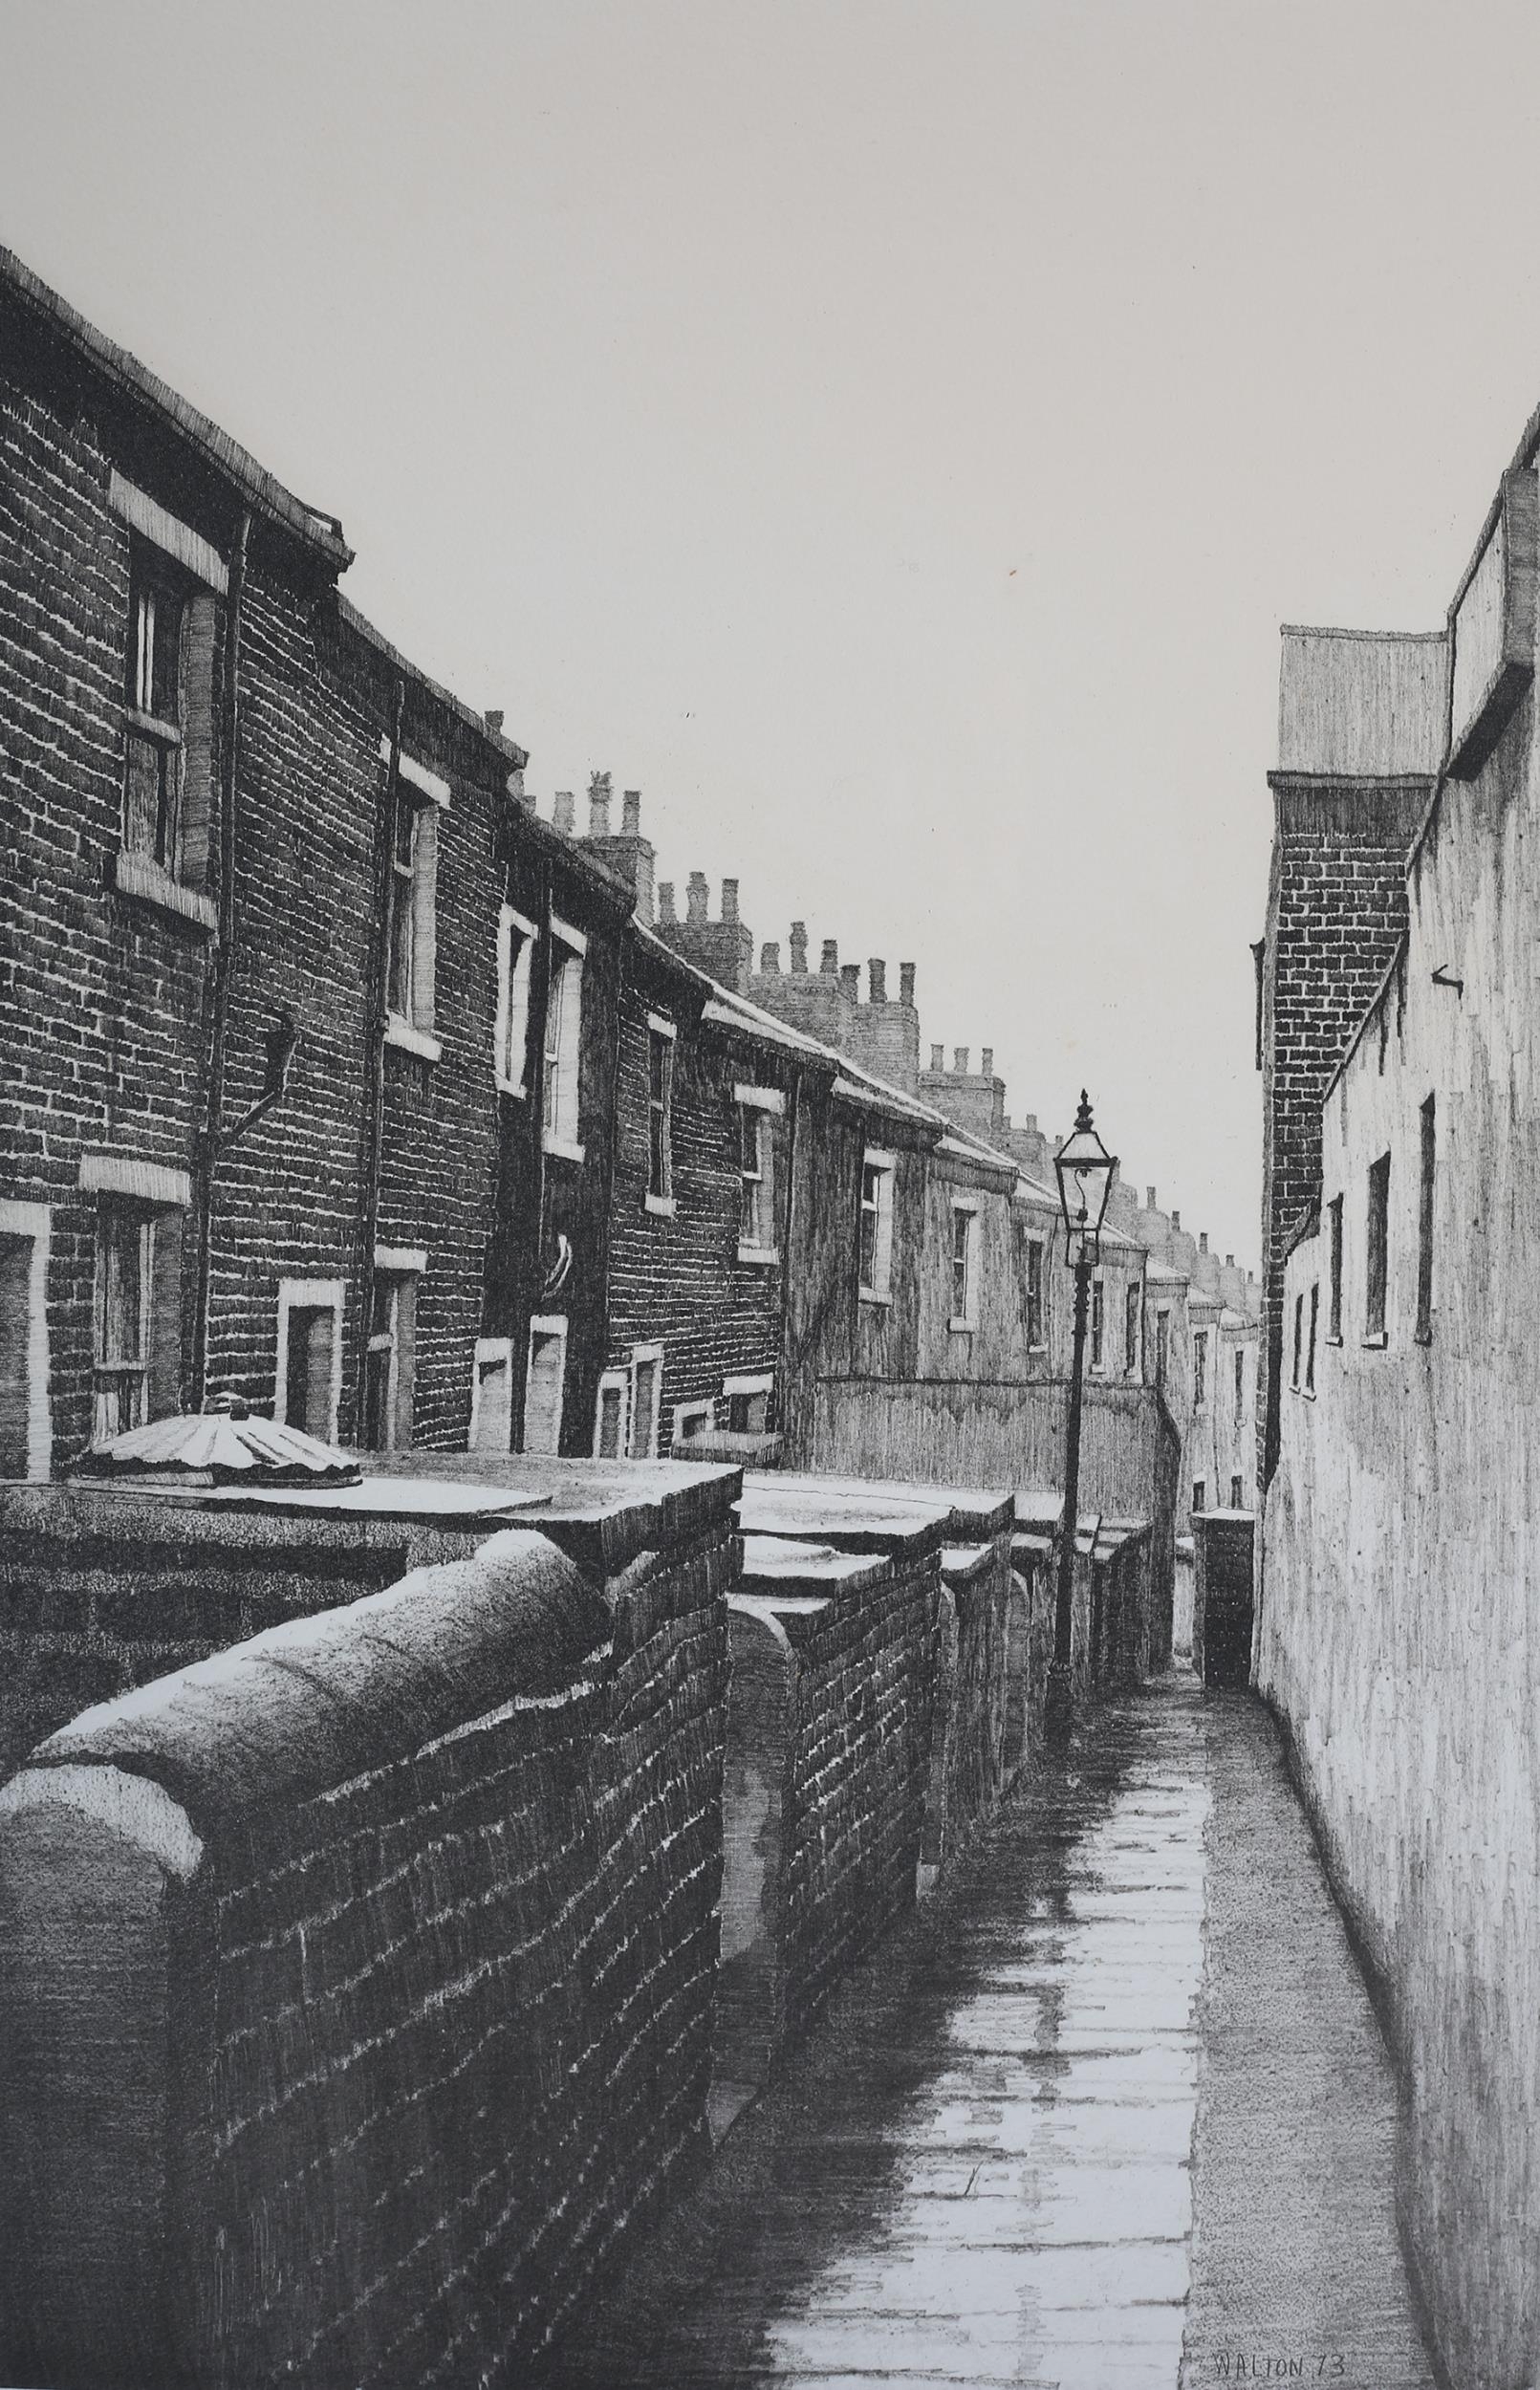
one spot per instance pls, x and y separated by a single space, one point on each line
1240 1386
1310 1347
1199 1369
510 1041
1036 1323
1379 1225
1132 1301
1237 1494
169 727
660 1113
964 1273
411 921
563 1042
1333 1314
876 1249
1299 1338
1099 1321
1199 1493
1424 1224
757 1110
1163 1346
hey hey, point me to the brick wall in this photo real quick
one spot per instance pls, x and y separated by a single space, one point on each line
397 1989
968 1747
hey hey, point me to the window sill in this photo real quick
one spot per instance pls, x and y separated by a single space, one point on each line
515 1088
765 1257
959 1327
1377 1342
661 1206
150 883
563 1148
406 1039
871 1295
1036 1352
1424 1338
1334 1340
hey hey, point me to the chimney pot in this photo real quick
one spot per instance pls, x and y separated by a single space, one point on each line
1229 1261
495 723
1149 1199
769 957
906 983
598 804
960 1060
937 1057
697 894
729 900
829 966
631 813
1176 1219
987 1061
799 945
1202 1240
564 811
1030 1124
665 903
877 980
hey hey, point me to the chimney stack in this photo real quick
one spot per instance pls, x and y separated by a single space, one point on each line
1202 1240
1229 1261
1176 1219
495 723
799 945
769 958
986 1062
1149 1199
960 1060
665 904
937 1057
877 980
906 983
598 805
1030 1124
564 811
697 895
631 813
829 966
729 900
850 979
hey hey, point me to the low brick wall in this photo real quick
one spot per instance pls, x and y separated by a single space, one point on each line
358 1981
968 1767
829 1753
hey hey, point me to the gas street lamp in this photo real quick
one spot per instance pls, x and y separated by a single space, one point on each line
1084 1168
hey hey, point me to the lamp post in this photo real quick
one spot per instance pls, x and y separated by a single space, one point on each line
1084 1169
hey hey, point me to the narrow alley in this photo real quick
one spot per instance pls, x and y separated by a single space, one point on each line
1114 2110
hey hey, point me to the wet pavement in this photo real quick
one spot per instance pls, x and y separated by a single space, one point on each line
1134 2001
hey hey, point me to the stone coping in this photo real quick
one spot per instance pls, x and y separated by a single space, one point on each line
970 1514
966 1564
602 1512
777 1567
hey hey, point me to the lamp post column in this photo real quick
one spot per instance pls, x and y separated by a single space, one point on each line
1059 1705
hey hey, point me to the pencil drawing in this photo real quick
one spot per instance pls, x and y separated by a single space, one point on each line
682 1700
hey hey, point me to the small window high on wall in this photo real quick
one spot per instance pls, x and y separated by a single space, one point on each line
660 1038
1334 1312
1037 1332
1377 1246
516 955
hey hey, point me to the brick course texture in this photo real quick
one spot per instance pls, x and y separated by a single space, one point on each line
361 1979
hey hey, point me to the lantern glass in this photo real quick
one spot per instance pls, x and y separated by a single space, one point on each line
1085 1172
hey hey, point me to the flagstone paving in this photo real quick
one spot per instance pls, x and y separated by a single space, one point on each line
1077 2126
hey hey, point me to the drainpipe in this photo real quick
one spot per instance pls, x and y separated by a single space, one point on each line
207 1148
373 1074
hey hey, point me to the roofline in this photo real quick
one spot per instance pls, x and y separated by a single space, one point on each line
1332 630
314 529
508 749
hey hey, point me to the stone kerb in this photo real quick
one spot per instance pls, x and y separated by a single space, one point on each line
326 1957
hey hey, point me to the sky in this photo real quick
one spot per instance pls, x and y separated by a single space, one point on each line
889 436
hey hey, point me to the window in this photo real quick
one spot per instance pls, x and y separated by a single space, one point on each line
964 1267
1299 1338
1199 1493
1378 1223
308 1376
1036 1337
137 1360
692 1419
413 927
1133 1303
876 1226
609 1414
1240 1385
1163 1346
25 1438
1334 1219
660 1114
511 1042
1199 1369
757 1110
1424 1226
646 1388
563 1043
1237 1494
748 1402
170 711
1098 1321
388 1380
492 1395
545 1385
1310 1348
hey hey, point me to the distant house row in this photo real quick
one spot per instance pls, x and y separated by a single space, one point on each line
342 1081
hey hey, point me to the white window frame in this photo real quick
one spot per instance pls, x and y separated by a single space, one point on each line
310 1295
641 1355
561 1070
612 1381
764 1104
703 1408
397 1261
34 1221
661 1203
412 1033
1199 1369
489 1349
755 1381
546 1324
965 1321
878 1158
514 977
1033 1242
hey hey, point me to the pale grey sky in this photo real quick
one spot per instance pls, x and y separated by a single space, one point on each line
890 436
